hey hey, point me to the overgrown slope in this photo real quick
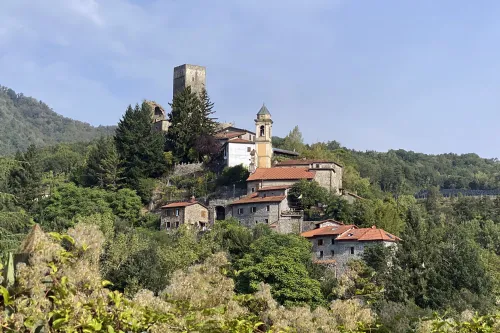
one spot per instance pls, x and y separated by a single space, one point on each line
24 120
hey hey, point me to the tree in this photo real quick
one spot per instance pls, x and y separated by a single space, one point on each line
103 165
308 194
293 141
281 261
192 126
139 146
25 179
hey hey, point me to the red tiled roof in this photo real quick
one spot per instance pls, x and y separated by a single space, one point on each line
227 135
368 234
304 162
179 204
254 198
328 220
328 231
238 140
281 174
272 188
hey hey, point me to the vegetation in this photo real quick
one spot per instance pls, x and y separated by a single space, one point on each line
102 265
25 121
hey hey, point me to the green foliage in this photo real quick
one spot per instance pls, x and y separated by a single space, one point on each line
139 146
236 175
25 121
192 126
103 165
281 261
25 179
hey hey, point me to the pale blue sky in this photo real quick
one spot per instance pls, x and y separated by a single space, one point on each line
375 75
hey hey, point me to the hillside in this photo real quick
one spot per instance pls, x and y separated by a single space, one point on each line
24 120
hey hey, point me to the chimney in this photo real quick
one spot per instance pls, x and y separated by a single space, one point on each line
374 227
193 199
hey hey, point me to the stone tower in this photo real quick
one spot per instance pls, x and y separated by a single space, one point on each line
263 135
189 76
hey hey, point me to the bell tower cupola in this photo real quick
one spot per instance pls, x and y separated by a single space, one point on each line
263 136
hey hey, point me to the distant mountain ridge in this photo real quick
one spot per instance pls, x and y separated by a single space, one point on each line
25 120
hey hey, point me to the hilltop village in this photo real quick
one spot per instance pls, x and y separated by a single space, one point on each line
272 173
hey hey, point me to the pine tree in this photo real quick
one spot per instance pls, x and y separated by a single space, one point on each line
103 165
190 135
25 179
139 146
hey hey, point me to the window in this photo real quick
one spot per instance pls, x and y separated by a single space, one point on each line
317 166
321 254
253 189
266 220
225 152
254 209
320 242
333 240
168 225
251 138
262 130
177 212
249 149
177 224
333 253
203 213
352 249
240 211
264 195
268 208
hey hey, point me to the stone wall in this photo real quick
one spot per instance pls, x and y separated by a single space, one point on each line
256 184
174 216
250 219
189 75
187 168
195 214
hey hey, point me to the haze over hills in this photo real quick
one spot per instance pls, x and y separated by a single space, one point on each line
25 120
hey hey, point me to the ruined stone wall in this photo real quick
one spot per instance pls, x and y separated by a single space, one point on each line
189 76
187 168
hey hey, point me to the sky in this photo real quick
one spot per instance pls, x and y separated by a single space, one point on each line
374 75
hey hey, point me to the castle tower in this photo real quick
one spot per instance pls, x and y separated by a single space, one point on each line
263 135
189 76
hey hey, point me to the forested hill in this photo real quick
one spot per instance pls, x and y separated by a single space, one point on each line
25 120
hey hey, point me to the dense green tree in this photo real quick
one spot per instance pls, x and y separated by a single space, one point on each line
281 261
308 195
25 179
139 146
192 126
236 175
103 165
293 141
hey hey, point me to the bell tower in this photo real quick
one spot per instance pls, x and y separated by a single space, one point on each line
263 135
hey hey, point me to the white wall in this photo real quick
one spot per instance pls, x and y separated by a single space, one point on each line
238 153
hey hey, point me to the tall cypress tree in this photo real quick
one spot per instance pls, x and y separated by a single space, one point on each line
139 146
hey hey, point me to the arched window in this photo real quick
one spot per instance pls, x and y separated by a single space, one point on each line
262 130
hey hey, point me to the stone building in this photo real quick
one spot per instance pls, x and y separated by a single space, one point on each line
267 205
336 244
159 117
191 213
189 76
327 173
263 177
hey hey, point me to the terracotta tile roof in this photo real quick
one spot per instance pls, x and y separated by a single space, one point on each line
227 135
272 188
254 198
238 140
281 174
304 162
179 204
368 234
328 231
328 220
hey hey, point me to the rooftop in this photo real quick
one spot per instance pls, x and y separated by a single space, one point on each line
263 110
351 232
191 202
281 174
254 198
305 162
328 231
